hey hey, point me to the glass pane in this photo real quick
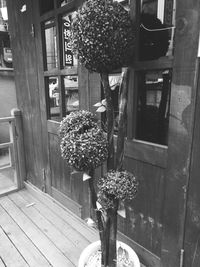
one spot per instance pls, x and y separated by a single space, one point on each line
157 15
114 81
53 100
5 50
5 159
153 105
46 6
50 45
69 60
71 93
4 132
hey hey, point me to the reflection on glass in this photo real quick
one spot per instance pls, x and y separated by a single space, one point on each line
63 2
153 106
46 6
71 93
156 15
50 45
54 98
69 60
114 82
5 157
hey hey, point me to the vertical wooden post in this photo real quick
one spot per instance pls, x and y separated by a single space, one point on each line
19 148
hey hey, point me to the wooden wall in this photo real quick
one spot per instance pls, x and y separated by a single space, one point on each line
168 190
192 224
27 90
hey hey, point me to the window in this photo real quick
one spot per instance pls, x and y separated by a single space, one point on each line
71 93
51 61
60 65
156 29
152 73
153 103
114 81
5 49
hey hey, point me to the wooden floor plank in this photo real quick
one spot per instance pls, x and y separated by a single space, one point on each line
1 263
79 240
9 254
61 242
24 245
65 214
53 254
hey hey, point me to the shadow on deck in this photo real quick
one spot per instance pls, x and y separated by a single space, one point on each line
37 231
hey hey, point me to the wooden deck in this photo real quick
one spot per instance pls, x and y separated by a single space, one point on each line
38 232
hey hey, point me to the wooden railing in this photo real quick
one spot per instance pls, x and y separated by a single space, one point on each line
15 147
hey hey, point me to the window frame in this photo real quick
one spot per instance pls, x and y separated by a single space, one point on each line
61 71
151 153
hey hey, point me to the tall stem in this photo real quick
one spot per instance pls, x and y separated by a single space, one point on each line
98 215
123 99
112 213
110 120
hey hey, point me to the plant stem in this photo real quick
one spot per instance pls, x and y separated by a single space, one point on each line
110 120
103 231
98 214
112 213
123 99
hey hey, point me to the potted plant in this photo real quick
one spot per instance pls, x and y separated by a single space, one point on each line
103 37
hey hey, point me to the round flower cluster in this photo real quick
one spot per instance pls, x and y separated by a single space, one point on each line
83 144
78 122
103 35
120 185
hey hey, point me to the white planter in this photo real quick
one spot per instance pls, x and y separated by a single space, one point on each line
95 246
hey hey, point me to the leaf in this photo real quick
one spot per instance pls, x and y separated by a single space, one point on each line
98 104
90 222
98 205
122 213
101 109
86 176
103 102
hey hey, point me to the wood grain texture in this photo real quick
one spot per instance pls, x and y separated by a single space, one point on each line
192 237
1 263
40 240
183 95
24 245
65 246
9 253
27 86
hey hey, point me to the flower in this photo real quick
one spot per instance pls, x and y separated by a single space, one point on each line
78 121
103 35
121 185
83 144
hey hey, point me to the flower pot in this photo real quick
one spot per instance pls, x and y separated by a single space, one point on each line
91 256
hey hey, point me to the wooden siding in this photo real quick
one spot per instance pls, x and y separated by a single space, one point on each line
181 124
156 218
191 241
27 90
